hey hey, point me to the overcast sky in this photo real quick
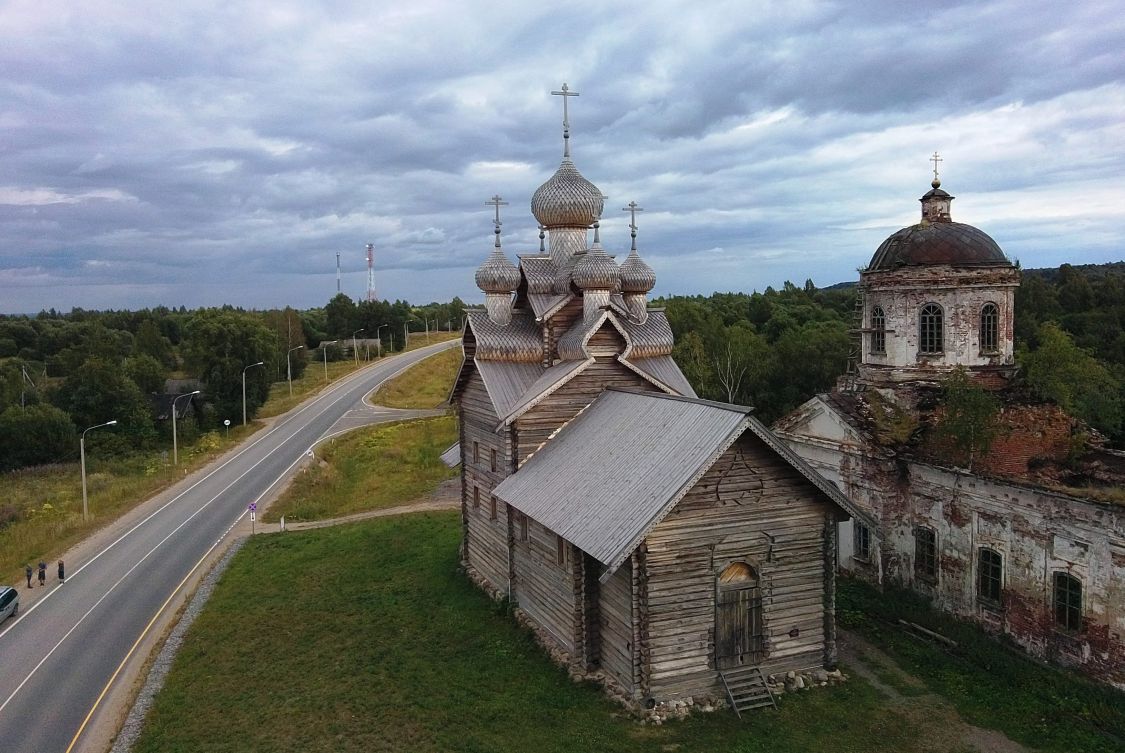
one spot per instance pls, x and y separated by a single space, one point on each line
202 153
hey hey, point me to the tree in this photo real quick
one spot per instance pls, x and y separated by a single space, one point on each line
1060 371
217 346
98 392
146 372
149 341
691 356
35 435
968 420
340 317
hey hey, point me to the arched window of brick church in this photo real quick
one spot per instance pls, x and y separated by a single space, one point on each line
1067 601
990 575
930 330
989 328
925 554
878 330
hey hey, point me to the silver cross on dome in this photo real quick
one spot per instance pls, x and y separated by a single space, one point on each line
936 159
497 202
566 94
632 209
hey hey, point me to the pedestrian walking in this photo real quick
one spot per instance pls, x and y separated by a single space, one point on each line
42 573
62 573
28 569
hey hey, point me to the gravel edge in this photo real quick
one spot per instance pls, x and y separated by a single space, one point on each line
134 722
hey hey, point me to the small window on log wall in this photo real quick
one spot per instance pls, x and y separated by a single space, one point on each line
492 508
989 328
925 554
523 527
862 536
492 461
1068 601
476 496
560 550
990 575
476 452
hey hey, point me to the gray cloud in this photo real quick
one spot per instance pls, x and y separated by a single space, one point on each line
211 153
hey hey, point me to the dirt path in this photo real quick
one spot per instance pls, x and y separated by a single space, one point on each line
939 727
446 497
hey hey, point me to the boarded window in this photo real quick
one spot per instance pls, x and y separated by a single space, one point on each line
989 328
930 329
476 496
878 330
560 550
862 540
523 527
476 452
925 554
990 575
1068 601
492 508
492 461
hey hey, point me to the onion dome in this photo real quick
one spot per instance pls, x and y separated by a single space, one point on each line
497 274
636 276
595 270
937 239
567 199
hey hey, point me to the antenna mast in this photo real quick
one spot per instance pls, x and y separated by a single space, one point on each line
337 273
370 272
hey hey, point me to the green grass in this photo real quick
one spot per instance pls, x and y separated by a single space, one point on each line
49 498
366 637
369 469
1039 706
424 385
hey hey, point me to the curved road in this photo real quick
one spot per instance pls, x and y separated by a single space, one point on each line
64 652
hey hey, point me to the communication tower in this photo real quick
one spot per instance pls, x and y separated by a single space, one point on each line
370 272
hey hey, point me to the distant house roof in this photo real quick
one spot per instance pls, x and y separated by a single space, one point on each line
622 464
162 405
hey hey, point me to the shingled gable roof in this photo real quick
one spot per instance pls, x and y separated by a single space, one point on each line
617 469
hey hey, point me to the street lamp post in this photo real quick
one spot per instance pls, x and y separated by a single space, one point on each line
259 363
289 369
355 350
175 447
82 456
379 337
324 350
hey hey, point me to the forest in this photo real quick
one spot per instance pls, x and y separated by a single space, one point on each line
775 349
61 373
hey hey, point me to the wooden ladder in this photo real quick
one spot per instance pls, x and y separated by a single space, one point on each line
746 689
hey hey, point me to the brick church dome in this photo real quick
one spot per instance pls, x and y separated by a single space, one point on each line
938 240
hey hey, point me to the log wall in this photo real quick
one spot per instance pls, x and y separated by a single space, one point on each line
485 546
534 427
615 608
750 506
544 588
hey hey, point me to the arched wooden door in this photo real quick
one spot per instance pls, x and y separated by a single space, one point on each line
739 637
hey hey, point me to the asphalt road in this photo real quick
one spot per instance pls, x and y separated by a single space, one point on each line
66 646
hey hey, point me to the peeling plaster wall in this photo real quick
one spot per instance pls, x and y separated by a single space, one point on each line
961 293
1038 533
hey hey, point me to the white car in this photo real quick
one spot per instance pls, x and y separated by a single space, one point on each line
9 602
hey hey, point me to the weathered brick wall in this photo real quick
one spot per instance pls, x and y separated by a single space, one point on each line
1037 533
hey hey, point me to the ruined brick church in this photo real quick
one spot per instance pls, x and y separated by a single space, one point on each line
672 546
1025 539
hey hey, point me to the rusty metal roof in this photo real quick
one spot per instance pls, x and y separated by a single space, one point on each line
929 243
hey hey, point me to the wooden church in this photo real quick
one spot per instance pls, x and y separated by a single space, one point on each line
672 544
